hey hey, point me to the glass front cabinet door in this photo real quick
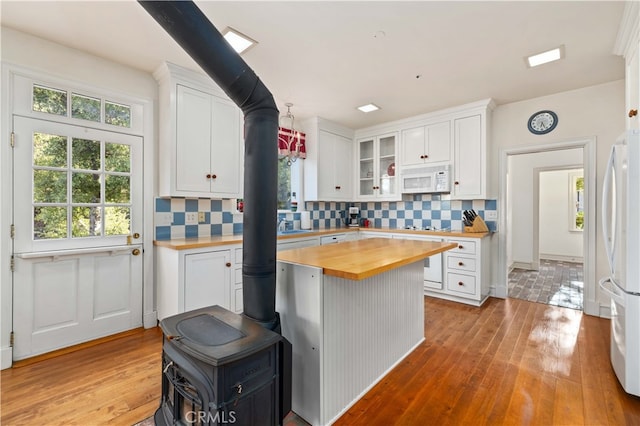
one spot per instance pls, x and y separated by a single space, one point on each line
377 167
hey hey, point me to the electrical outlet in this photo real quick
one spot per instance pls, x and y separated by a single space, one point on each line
491 215
164 219
200 217
191 218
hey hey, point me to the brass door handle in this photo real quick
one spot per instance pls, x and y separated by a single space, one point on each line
135 252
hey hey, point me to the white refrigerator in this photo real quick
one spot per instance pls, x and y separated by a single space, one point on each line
621 232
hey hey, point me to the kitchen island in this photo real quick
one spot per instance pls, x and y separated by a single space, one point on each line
352 311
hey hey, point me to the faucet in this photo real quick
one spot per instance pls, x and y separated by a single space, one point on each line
282 224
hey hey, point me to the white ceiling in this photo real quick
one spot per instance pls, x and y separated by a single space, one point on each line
326 59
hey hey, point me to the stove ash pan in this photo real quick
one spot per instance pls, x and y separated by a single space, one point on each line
222 368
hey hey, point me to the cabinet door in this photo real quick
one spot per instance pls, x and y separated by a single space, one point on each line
438 142
632 87
343 168
388 184
366 164
469 159
207 279
225 148
412 146
193 136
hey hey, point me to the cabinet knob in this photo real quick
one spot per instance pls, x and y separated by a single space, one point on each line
456 183
213 176
208 175
633 113
228 264
422 156
460 264
460 283
337 187
460 247
426 156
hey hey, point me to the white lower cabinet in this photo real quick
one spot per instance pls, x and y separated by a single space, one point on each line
467 272
195 278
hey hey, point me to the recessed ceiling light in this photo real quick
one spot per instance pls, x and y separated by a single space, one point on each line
545 57
368 108
237 40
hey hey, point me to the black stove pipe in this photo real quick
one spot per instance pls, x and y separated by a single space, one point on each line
191 29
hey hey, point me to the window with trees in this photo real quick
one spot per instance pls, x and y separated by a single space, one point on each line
576 198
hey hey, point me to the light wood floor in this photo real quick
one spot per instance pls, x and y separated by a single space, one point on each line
510 362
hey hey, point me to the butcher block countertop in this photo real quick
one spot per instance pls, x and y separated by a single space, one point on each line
360 259
221 240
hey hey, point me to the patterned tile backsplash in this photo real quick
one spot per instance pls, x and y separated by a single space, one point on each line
180 217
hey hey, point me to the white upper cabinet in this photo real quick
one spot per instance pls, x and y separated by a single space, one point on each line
627 44
469 170
426 144
328 168
200 151
376 167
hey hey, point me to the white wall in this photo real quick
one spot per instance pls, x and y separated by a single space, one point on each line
591 112
522 177
556 239
43 59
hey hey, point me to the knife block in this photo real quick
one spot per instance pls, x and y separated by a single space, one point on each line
478 226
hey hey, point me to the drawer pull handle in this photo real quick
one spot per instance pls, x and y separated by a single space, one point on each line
460 264
337 187
228 264
460 247
460 283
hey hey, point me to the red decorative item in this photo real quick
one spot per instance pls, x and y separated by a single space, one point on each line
391 170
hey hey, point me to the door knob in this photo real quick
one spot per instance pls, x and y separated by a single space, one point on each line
136 235
135 252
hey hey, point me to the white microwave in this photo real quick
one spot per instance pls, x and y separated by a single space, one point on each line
425 179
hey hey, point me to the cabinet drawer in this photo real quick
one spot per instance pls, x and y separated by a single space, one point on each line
460 283
461 263
464 247
238 256
332 239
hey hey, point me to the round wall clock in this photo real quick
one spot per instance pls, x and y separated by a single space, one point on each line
542 122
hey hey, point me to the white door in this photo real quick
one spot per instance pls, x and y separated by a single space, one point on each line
77 246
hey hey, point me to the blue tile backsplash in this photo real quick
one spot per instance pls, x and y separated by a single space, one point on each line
221 217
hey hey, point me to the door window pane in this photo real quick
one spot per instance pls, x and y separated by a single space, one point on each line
87 222
85 188
48 100
117 114
49 150
117 220
49 186
49 222
86 154
85 107
117 157
116 189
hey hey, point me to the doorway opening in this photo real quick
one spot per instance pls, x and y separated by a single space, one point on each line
547 249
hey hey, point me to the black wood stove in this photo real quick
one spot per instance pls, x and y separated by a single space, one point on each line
221 368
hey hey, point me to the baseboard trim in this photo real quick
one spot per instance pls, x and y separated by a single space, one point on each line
150 319
6 357
562 258
524 265
74 348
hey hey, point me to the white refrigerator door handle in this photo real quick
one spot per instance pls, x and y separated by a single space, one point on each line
610 290
606 186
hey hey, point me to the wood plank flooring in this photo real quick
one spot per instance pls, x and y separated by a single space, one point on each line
510 362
